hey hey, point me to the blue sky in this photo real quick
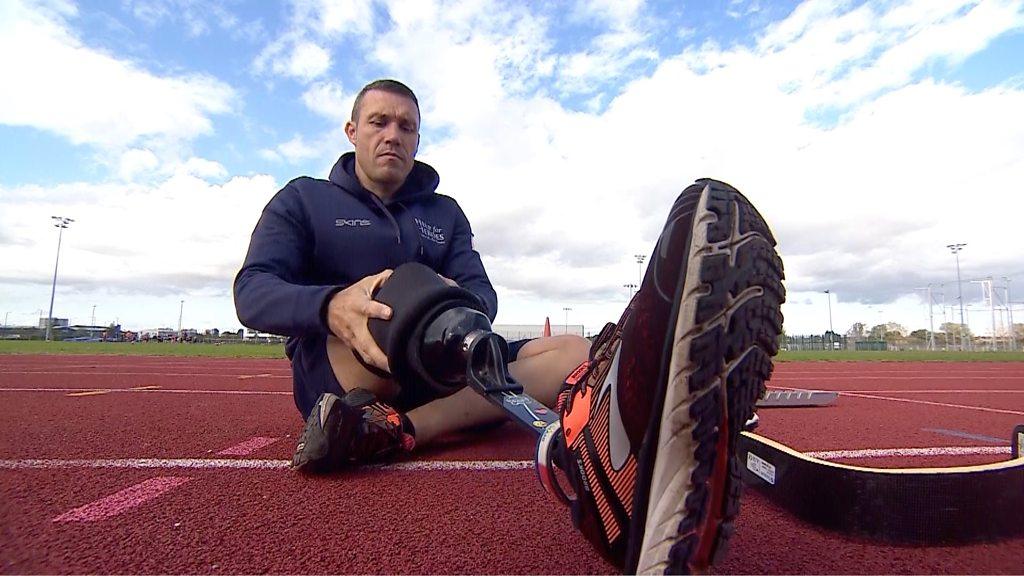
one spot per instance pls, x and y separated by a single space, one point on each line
869 134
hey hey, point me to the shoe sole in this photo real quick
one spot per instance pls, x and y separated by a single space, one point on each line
727 323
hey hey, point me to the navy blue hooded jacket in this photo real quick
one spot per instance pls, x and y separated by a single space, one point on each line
317 237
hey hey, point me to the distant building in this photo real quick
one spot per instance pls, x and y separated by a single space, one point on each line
57 323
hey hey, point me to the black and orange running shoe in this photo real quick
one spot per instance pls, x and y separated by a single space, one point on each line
649 424
351 429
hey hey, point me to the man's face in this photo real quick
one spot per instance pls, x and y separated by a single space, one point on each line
386 135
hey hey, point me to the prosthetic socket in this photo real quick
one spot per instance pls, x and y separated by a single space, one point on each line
438 335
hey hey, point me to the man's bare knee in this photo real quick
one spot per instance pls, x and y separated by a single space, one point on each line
561 349
351 374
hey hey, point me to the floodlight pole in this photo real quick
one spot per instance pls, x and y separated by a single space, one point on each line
181 310
639 268
1009 312
992 311
828 294
956 248
631 288
931 321
567 310
61 223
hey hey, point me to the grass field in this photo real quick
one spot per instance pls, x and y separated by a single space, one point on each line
277 351
238 350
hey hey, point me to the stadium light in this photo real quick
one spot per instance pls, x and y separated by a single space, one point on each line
639 268
956 248
567 310
631 288
832 332
61 223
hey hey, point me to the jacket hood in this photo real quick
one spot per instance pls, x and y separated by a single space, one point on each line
422 180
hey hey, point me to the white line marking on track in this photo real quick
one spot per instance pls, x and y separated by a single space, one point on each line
122 501
930 403
912 401
441 465
143 463
229 463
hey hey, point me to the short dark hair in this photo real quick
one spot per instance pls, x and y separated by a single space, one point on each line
384 85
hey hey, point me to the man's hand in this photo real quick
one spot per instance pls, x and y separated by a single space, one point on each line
348 313
449 281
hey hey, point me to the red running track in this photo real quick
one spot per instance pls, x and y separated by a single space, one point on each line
186 474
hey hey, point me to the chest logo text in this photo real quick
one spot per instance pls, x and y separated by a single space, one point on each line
430 232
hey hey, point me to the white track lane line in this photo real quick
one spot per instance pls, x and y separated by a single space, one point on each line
930 403
442 465
912 401
231 463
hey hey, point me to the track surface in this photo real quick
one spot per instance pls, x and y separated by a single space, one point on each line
172 465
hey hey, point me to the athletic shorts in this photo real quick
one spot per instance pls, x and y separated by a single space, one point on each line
312 375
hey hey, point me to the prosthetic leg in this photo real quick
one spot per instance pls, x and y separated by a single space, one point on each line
439 337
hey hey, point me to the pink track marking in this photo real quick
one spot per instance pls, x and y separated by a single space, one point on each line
248 447
120 502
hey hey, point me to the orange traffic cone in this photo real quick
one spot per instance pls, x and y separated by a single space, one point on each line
547 327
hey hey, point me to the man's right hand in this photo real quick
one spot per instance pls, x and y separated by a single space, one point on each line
348 313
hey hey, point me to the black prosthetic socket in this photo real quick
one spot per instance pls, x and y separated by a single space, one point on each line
417 297
439 340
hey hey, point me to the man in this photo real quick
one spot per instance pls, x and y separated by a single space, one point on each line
316 256
648 419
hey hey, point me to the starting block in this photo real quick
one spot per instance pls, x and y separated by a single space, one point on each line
796 399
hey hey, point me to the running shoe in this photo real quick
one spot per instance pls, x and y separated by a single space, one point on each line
649 425
350 429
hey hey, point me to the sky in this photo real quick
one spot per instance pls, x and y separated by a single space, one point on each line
870 135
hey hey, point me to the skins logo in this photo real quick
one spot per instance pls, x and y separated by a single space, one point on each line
351 222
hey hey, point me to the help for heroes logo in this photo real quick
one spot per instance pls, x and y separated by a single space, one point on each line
430 232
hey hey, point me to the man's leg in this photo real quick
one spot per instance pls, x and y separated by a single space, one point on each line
541 367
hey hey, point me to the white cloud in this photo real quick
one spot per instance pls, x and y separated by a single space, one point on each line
329 100
203 168
179 235
307 61
136 162
864 164
299 51
608 55
864 205
90 97
294 57
335 17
